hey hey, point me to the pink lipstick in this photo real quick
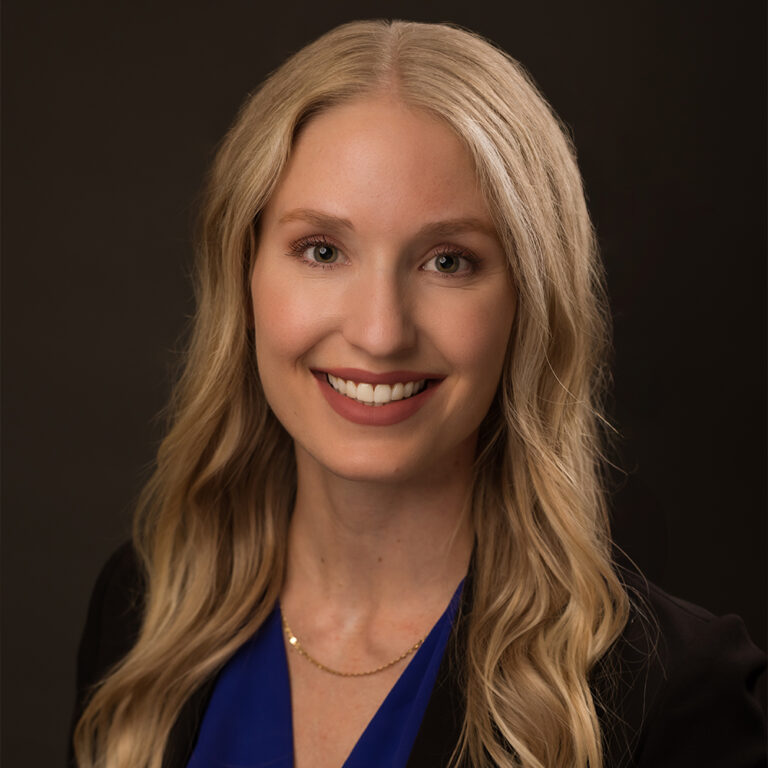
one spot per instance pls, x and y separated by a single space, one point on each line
378 415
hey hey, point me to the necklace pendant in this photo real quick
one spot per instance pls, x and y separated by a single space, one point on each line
293 641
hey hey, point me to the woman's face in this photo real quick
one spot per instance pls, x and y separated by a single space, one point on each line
379 277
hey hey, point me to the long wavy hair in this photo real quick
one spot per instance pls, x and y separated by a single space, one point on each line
211 524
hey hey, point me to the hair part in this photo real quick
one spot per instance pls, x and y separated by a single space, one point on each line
211 524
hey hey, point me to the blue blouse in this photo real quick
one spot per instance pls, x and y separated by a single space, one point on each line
248 721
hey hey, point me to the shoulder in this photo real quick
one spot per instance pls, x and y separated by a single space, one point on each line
681 685
113 620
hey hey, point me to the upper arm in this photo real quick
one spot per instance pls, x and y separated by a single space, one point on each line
706 712
112 623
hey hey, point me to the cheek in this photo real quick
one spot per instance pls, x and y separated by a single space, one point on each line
285 319
478 336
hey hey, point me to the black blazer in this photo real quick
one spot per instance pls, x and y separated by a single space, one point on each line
680 687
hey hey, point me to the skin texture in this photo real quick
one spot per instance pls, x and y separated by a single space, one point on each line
380 535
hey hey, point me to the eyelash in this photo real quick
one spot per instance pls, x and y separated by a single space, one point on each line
300 246
298 249
472 261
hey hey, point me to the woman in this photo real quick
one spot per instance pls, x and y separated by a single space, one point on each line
376 534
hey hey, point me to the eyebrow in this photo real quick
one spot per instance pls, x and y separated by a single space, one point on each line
445 228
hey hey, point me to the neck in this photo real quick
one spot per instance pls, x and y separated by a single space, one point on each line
361 547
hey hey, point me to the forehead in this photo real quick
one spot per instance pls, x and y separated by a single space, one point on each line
378 161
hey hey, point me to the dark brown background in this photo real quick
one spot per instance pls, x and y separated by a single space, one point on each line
110 115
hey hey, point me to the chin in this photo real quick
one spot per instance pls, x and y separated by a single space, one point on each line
373 469
389 462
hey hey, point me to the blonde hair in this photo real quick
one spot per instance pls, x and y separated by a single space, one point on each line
211 524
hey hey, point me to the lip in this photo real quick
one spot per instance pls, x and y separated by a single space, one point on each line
367 377
369 415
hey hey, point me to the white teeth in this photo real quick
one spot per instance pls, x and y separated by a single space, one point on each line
338 384
381 394
365 393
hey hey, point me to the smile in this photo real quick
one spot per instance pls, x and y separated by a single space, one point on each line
359 396
376 394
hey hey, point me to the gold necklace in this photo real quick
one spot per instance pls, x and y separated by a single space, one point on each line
293 641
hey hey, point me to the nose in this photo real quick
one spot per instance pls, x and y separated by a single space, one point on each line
378 317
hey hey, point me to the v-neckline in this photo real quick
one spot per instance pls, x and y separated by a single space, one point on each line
413 685
248 721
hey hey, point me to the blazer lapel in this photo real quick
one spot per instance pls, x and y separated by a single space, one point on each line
444 717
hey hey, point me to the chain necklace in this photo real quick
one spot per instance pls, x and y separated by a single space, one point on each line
293 641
